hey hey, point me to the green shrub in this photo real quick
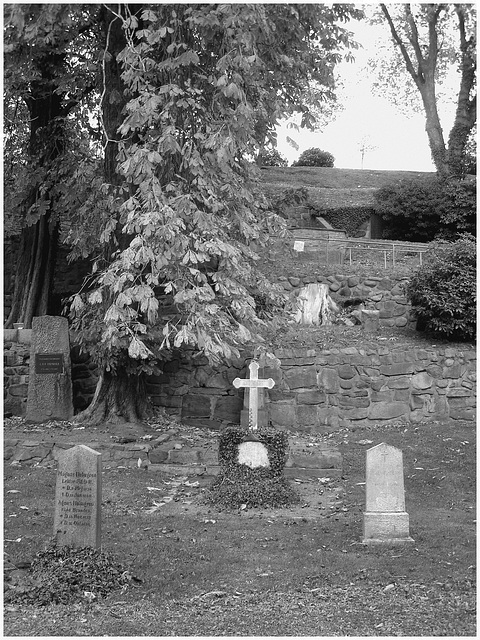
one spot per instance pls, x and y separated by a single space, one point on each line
350 219
315 158
271 158
422 210
443 290
238 486
281 201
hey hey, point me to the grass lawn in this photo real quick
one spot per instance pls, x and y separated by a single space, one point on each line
265 573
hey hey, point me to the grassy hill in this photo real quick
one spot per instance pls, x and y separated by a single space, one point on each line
333 188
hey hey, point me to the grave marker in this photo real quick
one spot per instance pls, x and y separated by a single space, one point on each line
78 497
50 383
253 384
385 518
252 452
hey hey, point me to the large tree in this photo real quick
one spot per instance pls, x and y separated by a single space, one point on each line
43 89
430 40
205 85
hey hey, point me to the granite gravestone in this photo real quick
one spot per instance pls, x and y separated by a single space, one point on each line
50 382
252 452
78 498
385 518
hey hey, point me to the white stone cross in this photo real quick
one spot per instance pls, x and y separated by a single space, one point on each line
254 384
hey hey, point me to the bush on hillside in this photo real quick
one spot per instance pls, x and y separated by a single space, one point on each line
271 158
443 290
315 158
422 210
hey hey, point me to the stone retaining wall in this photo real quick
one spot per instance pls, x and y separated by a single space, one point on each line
314 390
317 391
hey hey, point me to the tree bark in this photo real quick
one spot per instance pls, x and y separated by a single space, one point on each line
118 398
38 242
315 306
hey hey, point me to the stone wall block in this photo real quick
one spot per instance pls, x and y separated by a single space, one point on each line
454 371
382 396
310 397
228 408
196 406
378 384
464 413
328 380
434 370
307 415
355 413
301 377
422 380
400 382
397 369
388 410
283 415
458 392
346 371
349 401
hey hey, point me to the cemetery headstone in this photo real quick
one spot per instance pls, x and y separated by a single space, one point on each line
50 381
252 452
78 498
385 518
253 384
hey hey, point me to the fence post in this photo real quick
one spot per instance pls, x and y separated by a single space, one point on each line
393 254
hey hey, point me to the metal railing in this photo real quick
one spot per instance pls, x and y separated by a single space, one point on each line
337 249
389 247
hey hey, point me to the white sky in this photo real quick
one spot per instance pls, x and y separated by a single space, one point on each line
401 143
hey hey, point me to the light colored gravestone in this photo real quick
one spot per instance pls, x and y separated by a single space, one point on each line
385 518
252 452
78 498
50 382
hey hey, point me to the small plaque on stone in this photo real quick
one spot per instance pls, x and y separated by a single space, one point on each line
49 363
78 498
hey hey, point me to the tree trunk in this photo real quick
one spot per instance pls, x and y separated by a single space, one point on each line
434 130
315 306
118 398
465 115
35 271
38 242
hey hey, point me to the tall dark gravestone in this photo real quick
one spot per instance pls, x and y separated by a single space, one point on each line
50 381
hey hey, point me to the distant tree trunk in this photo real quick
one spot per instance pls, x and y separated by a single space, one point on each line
466 111
422 68
38 242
